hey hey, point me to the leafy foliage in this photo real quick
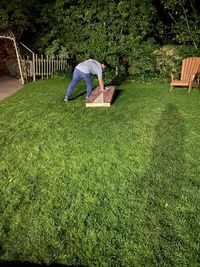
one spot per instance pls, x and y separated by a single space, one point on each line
116 30
185 20
167 59
124 32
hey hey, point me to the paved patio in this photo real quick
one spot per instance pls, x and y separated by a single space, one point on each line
8 86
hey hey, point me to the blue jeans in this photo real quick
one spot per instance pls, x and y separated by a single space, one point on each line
77 76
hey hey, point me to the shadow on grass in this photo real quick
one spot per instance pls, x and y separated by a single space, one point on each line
167 160
163 182
29 264
117 93
78 95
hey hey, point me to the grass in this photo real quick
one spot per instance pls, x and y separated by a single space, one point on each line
115 186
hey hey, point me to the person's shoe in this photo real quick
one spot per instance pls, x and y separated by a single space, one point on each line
68 98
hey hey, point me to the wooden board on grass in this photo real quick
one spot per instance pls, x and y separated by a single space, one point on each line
99 98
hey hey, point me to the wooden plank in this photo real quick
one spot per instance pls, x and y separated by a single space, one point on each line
99 98
33 66
180 83
36 64
47 67
42 66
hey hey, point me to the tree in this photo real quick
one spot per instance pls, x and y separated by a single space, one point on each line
111 29
185 20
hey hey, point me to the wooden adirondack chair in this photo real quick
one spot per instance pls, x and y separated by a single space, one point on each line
190 69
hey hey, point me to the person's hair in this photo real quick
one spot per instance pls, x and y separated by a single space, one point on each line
104 62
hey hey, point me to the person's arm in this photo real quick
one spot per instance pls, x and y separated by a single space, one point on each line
101 84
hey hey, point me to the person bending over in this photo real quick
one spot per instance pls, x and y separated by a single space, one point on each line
85 70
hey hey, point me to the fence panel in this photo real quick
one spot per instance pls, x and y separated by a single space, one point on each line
42 66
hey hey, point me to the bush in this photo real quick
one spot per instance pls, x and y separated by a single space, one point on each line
60 75
167 60
142 59
188 51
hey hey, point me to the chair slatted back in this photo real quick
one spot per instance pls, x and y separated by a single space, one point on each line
190 67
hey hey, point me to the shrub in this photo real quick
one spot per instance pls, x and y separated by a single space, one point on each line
142 59
167 60
60 75
186 51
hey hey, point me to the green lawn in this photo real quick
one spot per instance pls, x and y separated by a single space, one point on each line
115 186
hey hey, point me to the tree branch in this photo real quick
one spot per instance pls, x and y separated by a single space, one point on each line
188 25
172 17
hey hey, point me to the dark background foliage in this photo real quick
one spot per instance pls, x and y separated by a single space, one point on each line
129 34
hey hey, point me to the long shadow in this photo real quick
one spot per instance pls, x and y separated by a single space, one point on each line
162 182
167 160
78 95
117 93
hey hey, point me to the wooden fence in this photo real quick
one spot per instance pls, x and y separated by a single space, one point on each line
41 66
